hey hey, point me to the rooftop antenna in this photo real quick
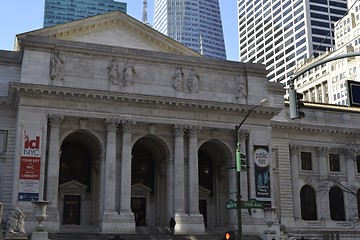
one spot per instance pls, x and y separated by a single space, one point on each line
144 16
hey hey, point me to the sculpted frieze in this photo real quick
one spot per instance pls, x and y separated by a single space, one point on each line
113 72
193 81
179 79
57 67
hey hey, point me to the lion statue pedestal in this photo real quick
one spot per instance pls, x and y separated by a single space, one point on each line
15 226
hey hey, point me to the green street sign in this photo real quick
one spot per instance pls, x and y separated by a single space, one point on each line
231 204
253 203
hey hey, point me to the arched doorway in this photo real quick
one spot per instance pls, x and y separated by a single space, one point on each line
213 158
308 203
78 179
337 208
148 180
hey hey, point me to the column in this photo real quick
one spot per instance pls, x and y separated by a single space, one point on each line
324 208
125 188
350 198
110 167
179 190
294 164
193 170
53 166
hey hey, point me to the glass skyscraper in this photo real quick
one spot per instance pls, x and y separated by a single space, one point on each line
194 23
283 33
57 12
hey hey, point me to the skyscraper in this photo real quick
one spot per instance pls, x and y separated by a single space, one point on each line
282 33
57 12
194 23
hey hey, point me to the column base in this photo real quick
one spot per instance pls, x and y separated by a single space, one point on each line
52 222
39 235
112 222
189 224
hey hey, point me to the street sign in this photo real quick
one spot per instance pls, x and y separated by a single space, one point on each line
231 204
253 203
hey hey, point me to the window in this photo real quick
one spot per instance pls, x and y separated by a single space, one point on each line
308 203
3 136
337 210
306 161
334 161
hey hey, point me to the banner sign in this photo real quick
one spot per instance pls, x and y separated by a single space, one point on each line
30 161
262 172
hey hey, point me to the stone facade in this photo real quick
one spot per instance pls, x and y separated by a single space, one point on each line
101 118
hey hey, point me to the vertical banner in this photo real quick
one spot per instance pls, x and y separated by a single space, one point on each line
30 159
262 172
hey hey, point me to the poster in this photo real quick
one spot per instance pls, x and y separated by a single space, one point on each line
262 172
30 162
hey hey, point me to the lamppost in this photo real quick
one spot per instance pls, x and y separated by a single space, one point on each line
238 168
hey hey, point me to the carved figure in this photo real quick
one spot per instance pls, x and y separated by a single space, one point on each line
16 223
194 81
113 72
129 73
179 79
57 67
241 87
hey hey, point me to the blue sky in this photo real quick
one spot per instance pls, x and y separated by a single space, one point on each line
19 16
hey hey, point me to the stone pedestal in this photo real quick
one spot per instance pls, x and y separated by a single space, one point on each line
189 224
117 223
15 236
39 235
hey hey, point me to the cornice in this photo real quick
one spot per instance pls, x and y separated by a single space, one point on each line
17 90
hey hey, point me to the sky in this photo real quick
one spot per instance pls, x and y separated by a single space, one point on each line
20 16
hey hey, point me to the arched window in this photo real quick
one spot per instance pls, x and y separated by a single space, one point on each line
337 210
308 203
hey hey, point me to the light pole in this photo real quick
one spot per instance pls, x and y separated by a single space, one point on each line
238 168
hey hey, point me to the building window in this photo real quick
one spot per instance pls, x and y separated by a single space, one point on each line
334 160
3 141
337 210
308 203
306 163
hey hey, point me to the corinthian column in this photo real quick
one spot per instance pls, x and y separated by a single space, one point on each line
110 166
294 163
179 190
125 188
53 161
193 170
324 209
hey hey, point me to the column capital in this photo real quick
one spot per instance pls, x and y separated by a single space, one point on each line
55 119
179 130
111 124
321 151
194 130
243 134
127 125
294 149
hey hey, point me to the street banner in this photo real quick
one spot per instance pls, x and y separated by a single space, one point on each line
262 172
30 162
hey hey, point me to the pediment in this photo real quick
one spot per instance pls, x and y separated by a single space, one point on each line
139 188
113 29
73 185
204 192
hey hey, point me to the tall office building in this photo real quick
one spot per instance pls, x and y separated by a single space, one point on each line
194 23
57 12
280 33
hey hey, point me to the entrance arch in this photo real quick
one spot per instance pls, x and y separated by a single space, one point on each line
150 156
213 157
79 179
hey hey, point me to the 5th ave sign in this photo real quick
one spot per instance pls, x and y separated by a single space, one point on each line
253 203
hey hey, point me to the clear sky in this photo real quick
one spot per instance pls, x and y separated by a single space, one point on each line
19 16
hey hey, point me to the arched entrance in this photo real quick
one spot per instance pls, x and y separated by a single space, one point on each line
148 181
78 179
213 158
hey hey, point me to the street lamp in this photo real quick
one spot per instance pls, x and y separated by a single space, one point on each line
238 167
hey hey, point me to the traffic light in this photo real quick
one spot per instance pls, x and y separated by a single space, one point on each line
229 235
295 102
241 164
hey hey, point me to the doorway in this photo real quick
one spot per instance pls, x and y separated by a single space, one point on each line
72 205
138 207
203 209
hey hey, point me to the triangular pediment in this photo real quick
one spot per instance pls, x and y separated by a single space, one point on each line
73 185
113 29
140 189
